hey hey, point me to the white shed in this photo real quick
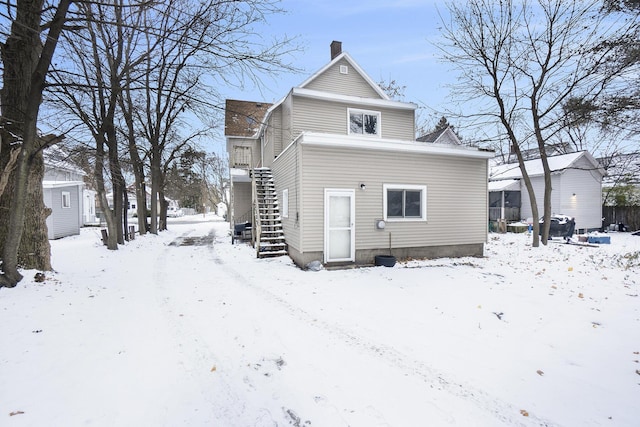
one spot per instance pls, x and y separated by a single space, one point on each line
576 180
64 198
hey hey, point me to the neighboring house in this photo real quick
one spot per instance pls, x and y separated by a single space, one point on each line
442 136
71 204
132 208
621 185
332 172
576 179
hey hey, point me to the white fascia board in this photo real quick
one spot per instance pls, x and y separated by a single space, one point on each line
393 145
239 175
61 184
230 138
346 99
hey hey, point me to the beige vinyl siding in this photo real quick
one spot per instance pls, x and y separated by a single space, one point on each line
456 196
276 128
268 149
314 115
273 144
241 201
285 171
352 83
287 121
252 143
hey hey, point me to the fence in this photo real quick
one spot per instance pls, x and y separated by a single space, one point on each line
510 214
627 215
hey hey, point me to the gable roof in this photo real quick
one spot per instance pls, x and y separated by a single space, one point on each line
442 136
55 157
557 164
621 167
355 66
244 118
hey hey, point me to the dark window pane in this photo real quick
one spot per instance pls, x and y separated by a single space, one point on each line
495 199
394 203
412 204
512 199
371 124
355 123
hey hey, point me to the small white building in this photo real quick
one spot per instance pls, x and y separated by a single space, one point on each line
72 205
576 180
64 198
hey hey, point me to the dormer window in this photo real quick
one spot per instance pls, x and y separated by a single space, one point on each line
362 122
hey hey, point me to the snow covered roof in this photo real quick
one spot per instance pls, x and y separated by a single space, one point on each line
57 158
557 164
364 143
621 168
504 185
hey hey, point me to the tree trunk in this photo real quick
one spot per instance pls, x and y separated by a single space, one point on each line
155 189
532 196
112 240
162 223
26 63
126 105
35 251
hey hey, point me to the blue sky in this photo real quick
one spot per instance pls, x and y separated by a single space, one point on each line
389 39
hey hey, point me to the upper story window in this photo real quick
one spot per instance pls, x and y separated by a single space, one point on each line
362 122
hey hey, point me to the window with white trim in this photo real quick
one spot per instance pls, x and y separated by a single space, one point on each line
362 122
285 203
405 202
66 199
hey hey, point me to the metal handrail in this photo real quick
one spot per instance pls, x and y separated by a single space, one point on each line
257 223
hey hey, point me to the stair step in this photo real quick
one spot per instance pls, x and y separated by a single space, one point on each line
269 245
271 254
272 239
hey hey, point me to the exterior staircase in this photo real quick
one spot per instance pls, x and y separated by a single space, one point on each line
268 222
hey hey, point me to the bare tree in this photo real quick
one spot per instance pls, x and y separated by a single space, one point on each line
90 93
26 61
193 46
520 61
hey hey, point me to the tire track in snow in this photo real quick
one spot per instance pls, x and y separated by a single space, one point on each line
224 404
498 408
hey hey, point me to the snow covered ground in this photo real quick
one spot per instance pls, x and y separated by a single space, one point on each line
161 334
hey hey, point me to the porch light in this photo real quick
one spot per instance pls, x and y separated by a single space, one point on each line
363 186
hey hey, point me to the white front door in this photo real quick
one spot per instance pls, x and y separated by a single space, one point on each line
339 230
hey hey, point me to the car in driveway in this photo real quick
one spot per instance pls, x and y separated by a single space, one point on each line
174 212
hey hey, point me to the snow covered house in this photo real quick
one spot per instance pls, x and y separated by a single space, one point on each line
576 179
72 205
332 172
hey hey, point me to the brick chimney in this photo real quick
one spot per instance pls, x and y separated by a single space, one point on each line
336 49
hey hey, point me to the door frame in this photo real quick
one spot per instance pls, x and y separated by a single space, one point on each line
328 193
